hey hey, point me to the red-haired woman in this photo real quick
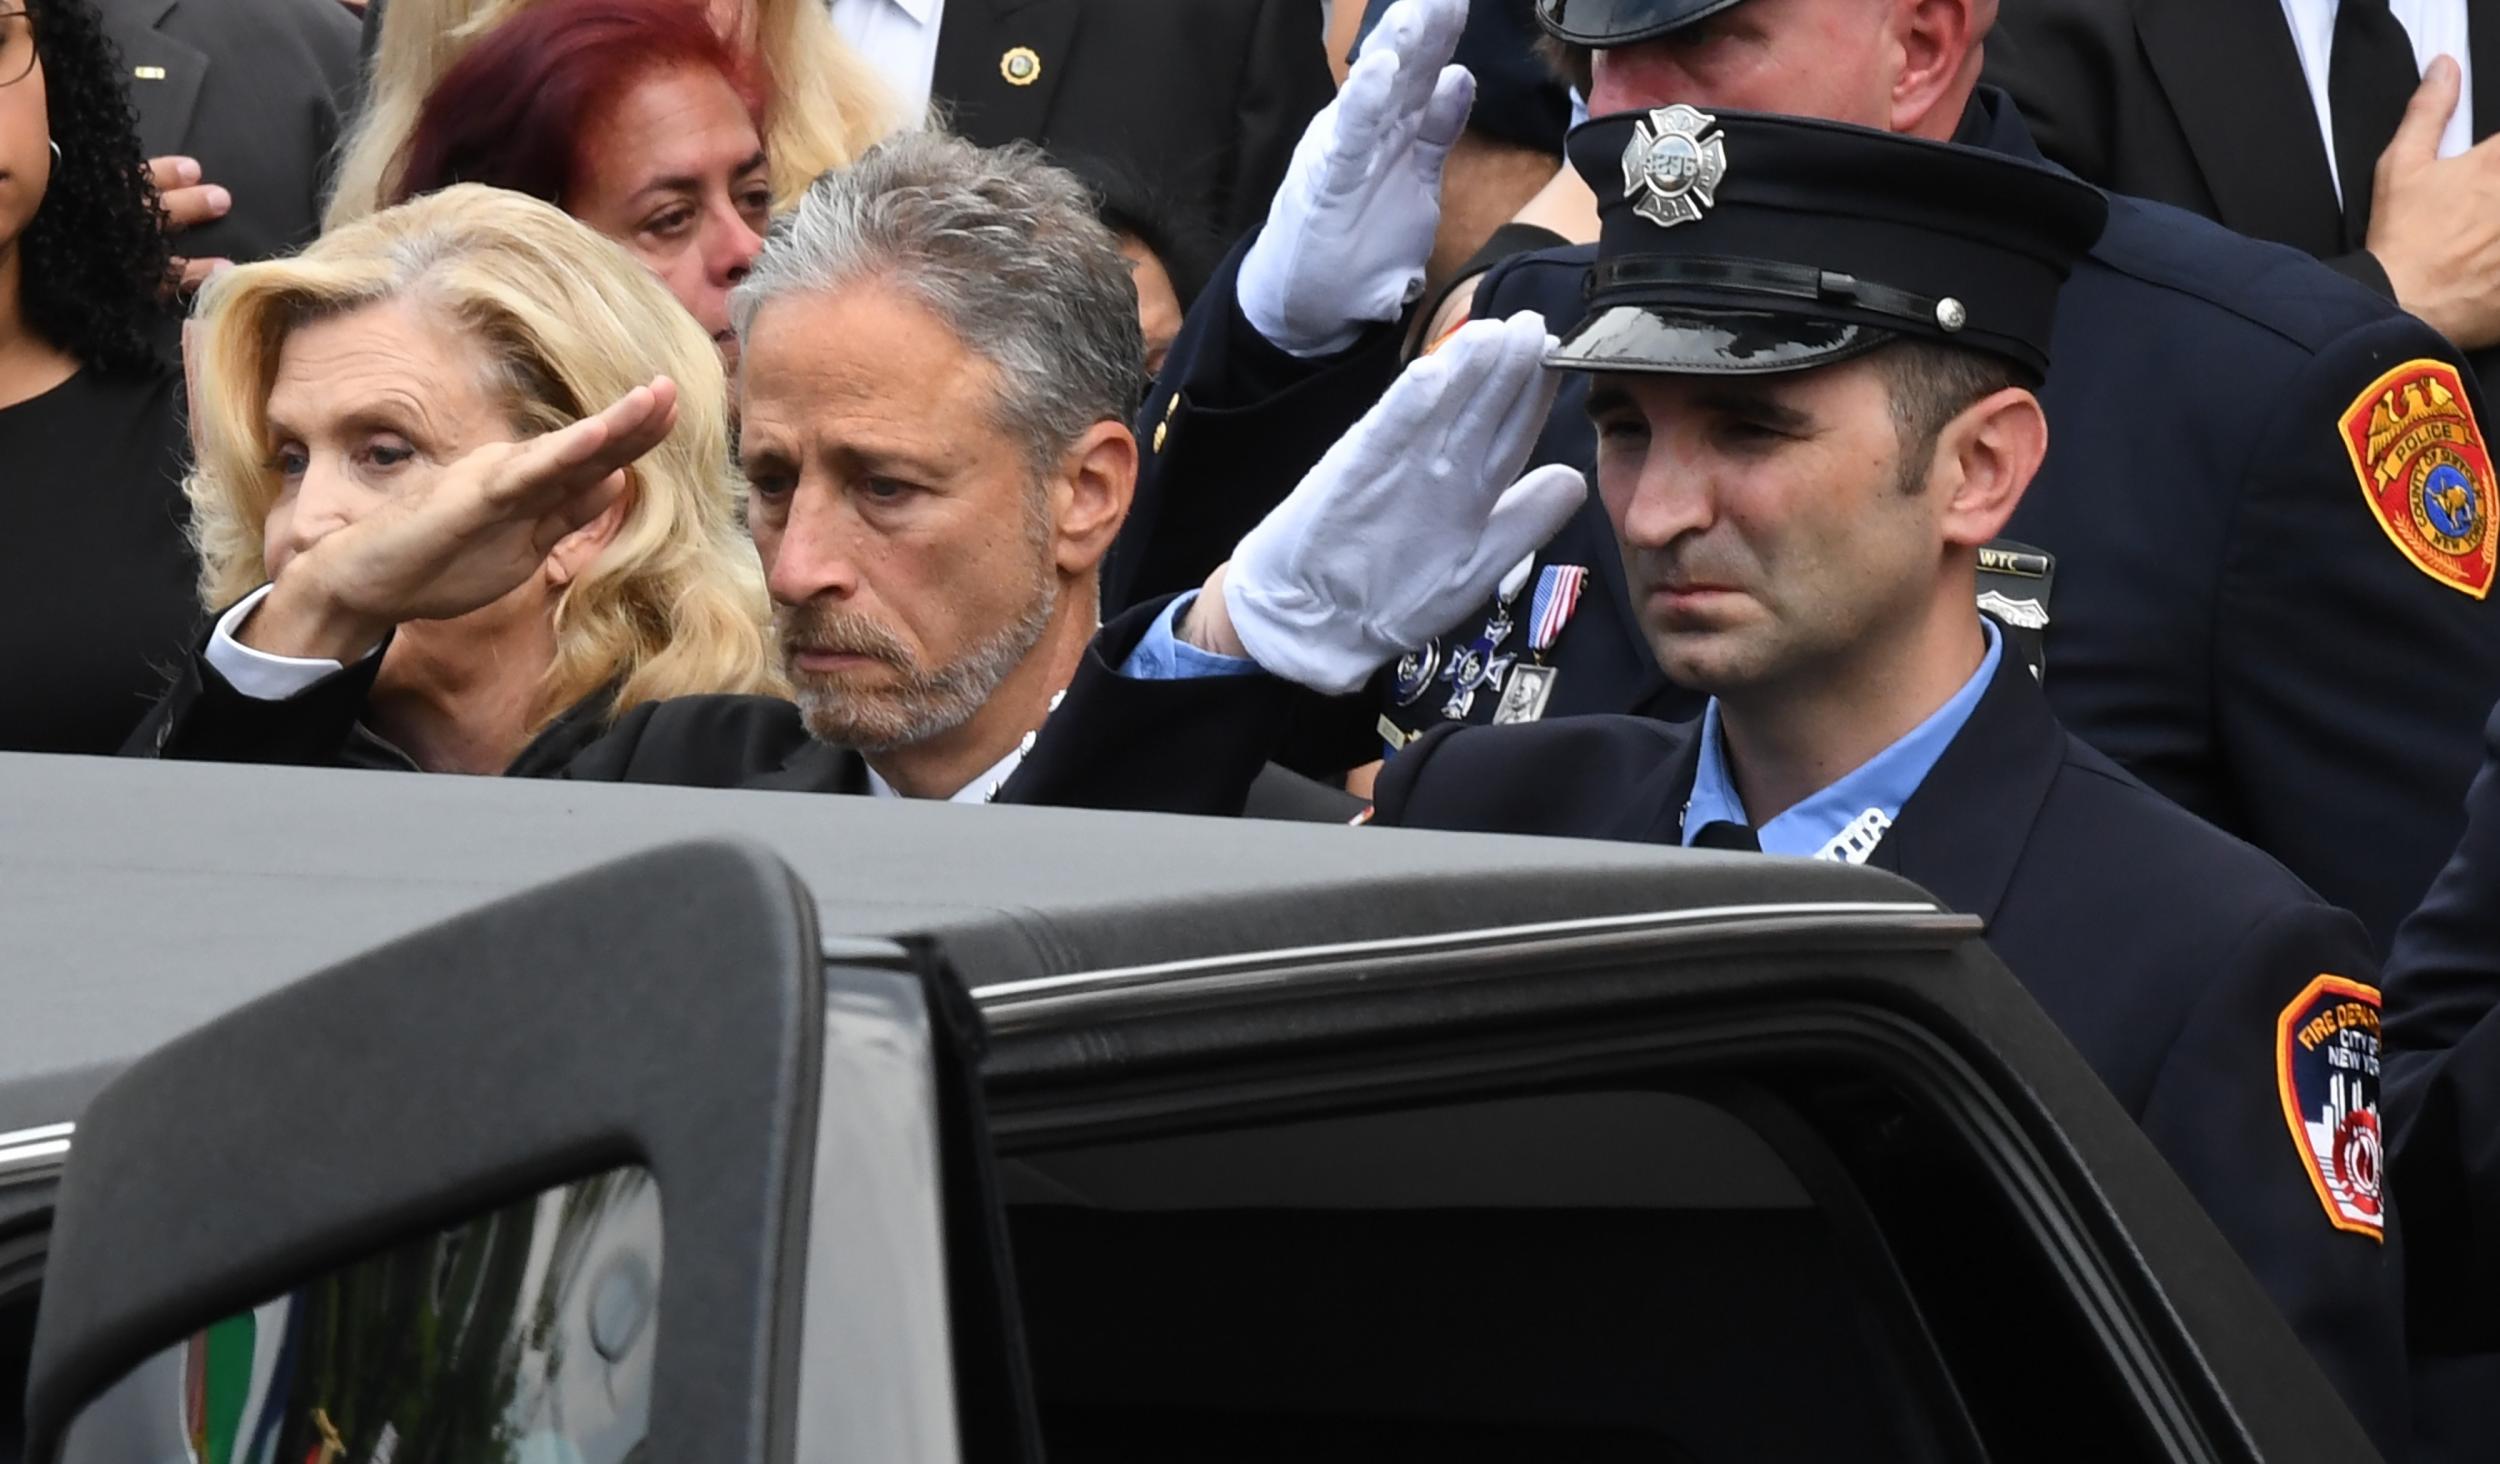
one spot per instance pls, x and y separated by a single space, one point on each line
631 115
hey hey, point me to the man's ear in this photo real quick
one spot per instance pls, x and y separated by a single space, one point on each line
1986 457
1089 501
578 550
1939 46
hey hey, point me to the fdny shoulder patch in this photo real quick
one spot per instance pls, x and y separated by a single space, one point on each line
2326 1060
2426 473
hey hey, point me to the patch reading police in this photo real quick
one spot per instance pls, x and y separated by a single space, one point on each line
1670 170
2326 1059
2426 473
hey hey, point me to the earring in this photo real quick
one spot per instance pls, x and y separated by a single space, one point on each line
56 151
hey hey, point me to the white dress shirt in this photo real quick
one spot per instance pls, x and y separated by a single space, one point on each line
980 790
2436 27
900 39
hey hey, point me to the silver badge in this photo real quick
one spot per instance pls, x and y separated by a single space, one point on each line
2029 614
1670 169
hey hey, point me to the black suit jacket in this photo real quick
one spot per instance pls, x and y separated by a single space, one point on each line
1203 98
2200 104
257 91
2229 622
1099 750
2166 950
2443 1103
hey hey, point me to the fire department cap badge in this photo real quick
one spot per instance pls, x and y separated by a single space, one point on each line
1670 170
2426 473
2326 1061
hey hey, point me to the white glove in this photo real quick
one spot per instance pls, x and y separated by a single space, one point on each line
1411 519
1352 225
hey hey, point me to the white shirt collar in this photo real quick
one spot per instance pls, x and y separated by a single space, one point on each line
979 790
985 787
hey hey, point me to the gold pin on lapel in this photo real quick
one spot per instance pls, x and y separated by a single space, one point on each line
148 73
1022 66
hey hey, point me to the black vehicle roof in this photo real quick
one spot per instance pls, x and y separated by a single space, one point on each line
138 899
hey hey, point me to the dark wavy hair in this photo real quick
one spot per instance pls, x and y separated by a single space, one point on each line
95 264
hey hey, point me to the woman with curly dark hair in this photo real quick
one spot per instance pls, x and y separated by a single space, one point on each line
94 572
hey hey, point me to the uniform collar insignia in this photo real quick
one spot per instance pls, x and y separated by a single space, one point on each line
1670 170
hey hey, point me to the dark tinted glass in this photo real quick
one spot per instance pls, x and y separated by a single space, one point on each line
1588 1276
522 1337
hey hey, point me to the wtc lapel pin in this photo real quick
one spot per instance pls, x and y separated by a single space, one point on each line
1022 66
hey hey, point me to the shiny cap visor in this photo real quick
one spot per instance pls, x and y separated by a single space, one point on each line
1604 23
1684 342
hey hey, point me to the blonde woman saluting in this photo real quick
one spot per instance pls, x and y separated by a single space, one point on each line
337 384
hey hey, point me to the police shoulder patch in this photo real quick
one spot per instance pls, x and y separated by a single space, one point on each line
2425 472
2326 1060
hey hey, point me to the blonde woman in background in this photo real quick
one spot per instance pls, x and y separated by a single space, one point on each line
339 383
823 104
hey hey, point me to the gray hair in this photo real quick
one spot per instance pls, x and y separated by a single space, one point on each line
999 243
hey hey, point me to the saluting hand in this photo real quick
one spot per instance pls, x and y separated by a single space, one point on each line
1407 523
1351 228
457 540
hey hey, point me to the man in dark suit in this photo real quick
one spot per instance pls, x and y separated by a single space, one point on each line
1809 350
935 469
251 94
2233 594
2289 122
1202 98
2443 1108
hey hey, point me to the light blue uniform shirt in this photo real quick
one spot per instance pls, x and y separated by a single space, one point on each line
1845 820
1162 655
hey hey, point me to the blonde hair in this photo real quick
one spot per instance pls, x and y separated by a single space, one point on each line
675 603
823 104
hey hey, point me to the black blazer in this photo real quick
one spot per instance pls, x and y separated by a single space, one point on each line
1097 747
1203 98
257 90
2165 950
2201 104
2443 1104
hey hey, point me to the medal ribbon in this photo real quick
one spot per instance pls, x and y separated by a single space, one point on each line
1558 589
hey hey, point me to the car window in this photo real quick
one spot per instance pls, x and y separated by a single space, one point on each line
525 1336
1592 1275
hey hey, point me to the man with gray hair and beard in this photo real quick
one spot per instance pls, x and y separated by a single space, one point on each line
939 351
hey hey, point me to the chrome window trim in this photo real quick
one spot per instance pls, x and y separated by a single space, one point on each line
1004 1003
34 1153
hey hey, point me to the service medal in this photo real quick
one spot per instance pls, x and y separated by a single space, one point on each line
1414 673
1531 687
1477 665
1524 699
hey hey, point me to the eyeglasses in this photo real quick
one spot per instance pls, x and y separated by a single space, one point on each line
17 45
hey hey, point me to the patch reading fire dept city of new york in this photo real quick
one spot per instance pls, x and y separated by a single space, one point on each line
2326 1063
2425 472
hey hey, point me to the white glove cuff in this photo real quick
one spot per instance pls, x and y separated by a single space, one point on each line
1296 638
1260 288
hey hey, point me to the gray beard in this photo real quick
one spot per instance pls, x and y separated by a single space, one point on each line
928 703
